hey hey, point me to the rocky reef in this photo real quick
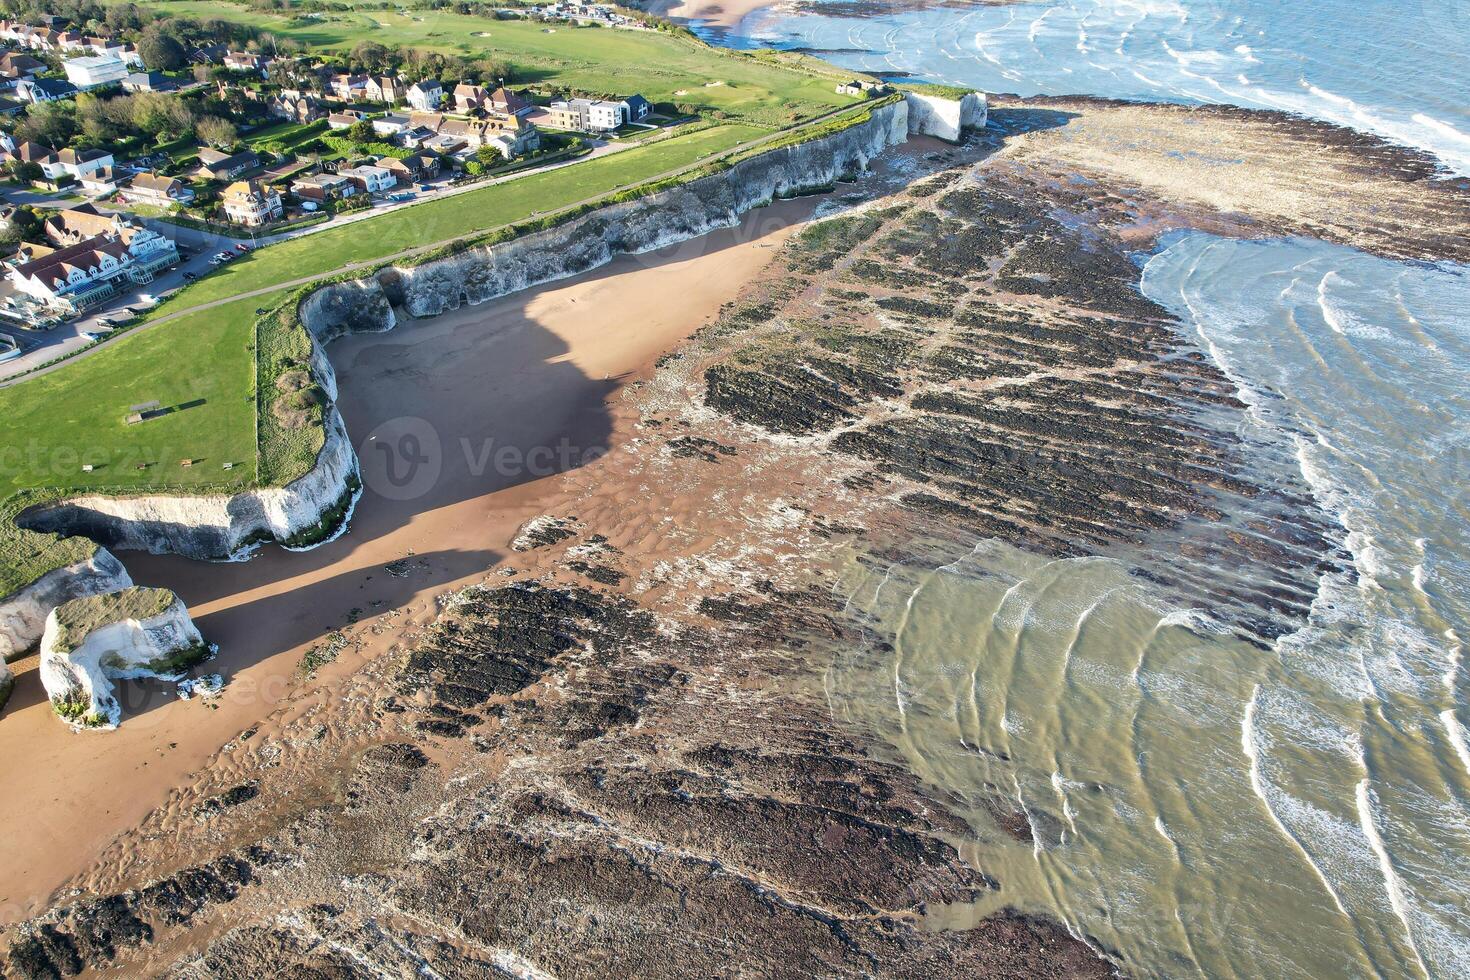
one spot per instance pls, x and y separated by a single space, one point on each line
89 642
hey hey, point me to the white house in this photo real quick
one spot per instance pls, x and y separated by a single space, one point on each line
77 276
95 70
44 89
374 180
425 96
391 124
605 115
76 163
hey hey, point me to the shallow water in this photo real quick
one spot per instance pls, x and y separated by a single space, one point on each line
1200 804
1398 68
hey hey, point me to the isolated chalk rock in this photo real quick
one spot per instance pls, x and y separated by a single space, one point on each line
92 641
946 118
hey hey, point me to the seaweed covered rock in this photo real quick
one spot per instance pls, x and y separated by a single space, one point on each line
89 642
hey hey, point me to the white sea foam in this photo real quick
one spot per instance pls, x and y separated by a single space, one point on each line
1456 733
1258 786
1391 884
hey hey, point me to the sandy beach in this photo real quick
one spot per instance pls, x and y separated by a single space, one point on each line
546 365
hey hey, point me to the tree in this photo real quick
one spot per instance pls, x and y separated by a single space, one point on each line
489 156
216 132
50 123
361 132
160 51
370 55
25 170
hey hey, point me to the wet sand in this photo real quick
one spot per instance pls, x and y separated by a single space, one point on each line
547 365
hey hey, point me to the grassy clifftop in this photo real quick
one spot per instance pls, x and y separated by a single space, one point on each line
201 365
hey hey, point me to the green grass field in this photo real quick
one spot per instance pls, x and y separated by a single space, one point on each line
201 365
463 214
660 66
53 424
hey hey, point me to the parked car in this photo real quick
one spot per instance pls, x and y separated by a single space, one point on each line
189 277
242 248
93 335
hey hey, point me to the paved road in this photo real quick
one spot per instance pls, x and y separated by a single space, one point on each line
11 371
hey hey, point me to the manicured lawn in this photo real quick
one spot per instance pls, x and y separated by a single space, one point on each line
199 365
591 59
288 134
463 214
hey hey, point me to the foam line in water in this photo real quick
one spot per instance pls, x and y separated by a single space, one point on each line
1391 883
1456 733
1258 786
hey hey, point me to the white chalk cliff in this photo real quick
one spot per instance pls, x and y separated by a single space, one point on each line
130 633
946 118
212 526
215 526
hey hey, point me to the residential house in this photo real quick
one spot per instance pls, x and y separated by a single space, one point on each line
129 56
28 152
209 54
243 61
605 116
157 190
295 107
217 165
323 187
411 169
505 143
383 88
251 203
468 98
76 164
101 181
15 66
444 145
415 137
349 88
94 71
10 107
83 273
68 226
373 180
425 96
391 124
44 89
344 119
71 41
147 81
508 103
426 120
636 108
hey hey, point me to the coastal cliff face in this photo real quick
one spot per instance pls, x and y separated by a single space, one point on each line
221 525
693 209
130 633
947 119
23 614
212 526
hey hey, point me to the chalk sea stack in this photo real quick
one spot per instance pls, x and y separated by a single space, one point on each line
89 642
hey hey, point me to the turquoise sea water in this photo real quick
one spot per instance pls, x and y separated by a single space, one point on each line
1398 68
1203 806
